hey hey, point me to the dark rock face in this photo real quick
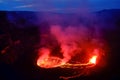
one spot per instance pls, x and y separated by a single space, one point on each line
20 37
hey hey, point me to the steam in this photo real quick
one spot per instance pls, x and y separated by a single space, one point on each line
74 33
71 39
74 29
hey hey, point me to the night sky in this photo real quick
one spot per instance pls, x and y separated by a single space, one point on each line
57 5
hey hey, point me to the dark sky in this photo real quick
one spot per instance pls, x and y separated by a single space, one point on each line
58 5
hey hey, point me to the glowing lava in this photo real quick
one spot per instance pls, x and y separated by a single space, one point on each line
93 60
45 60
48 61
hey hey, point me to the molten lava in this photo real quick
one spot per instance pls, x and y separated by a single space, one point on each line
70 48
48 61
45 60
93 60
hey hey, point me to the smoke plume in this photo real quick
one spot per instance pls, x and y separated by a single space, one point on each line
71 39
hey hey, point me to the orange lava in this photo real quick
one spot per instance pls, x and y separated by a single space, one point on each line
53 62
50 62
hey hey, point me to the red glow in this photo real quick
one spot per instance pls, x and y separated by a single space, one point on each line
48 61
76 49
